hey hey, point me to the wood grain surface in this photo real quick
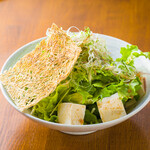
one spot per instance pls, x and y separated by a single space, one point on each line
22 21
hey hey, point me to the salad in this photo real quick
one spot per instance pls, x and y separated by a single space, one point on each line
97 88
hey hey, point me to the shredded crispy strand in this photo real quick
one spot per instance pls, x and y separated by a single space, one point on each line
38 73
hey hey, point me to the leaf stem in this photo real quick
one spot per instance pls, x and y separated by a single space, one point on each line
59 102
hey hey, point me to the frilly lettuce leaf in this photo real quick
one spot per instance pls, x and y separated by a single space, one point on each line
43 109
131 52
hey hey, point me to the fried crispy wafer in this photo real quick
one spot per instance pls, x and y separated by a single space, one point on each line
38 73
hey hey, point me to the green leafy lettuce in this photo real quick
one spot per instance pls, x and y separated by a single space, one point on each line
44 108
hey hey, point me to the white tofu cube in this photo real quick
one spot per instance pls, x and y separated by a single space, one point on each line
72 114
111 108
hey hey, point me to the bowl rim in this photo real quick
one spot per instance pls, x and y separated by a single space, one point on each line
92 126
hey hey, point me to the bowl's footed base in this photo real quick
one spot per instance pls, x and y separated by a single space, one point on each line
77 133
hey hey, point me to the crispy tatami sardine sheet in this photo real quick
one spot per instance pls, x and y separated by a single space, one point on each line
38 73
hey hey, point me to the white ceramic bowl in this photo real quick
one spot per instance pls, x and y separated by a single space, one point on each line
113 45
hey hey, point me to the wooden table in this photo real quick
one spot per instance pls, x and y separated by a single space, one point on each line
24 21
